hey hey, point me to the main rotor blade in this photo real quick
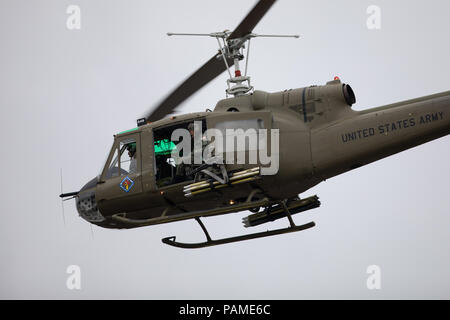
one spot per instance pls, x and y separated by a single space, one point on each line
252 19
209 71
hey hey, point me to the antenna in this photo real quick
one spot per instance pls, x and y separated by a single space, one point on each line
62 200
234 49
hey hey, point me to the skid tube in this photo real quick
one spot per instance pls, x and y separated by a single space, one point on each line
209 242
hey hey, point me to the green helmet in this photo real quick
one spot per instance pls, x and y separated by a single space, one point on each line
131 147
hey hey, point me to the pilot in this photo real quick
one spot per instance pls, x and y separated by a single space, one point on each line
132 154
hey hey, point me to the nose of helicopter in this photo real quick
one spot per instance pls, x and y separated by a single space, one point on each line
86 203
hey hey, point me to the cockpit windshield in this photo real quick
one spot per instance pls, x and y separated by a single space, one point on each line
123 161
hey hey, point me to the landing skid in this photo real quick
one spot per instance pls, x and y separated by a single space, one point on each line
171 240
209 242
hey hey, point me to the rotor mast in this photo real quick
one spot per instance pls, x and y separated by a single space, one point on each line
230 51
233 49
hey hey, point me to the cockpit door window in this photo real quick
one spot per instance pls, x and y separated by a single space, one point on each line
128 154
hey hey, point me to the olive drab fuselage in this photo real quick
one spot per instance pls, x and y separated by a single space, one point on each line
320 136
303 136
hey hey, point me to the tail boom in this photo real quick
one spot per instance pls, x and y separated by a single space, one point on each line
377 133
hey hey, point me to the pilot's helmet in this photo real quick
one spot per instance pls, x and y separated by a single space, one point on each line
191 126
131 147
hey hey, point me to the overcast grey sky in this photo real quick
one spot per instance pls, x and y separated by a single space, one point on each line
64 93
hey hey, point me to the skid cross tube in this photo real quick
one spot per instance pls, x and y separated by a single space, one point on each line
288 214
203 228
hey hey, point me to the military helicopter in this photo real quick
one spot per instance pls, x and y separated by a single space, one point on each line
319 136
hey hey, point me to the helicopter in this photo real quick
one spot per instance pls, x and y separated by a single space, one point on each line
315 134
